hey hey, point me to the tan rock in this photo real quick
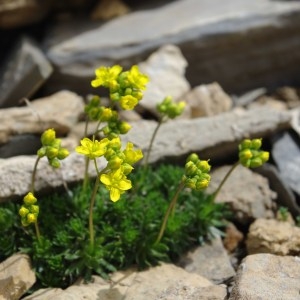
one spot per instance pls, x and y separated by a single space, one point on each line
273 236
232 237
266 276
59 111
16 277
207 100
108 9
149 284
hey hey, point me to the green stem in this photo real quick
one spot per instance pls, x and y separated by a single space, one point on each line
34 174
37 231
151 142
215 194
169 210
92 203
86 174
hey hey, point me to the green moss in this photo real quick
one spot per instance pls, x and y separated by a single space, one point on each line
125 231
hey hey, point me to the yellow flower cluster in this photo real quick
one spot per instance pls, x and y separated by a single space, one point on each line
250 155
119 162
170 109
51 148
29 211
196 173
125 87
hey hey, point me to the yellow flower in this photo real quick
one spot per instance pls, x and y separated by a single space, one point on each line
137 79
128 102
48 137
92 149
116 182
29 199
132 156
106 76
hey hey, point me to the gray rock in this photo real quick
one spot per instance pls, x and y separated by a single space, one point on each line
59 111
286 154
215 137
16 277
220 41
285 196
210 261
266 276
26 71
166 69
250 96
247 193
273 236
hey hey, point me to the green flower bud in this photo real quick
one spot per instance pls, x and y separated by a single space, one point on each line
115 162
264 156
138 95
54 163
256 144
62 153
56 143
48 137
41 152
245 144
255 162
245 154
128 91
127 168
23 211
190 169
191 183
51 152
24 222
204 166
115 97
31 218
124 127
202 184
193 157
29 199
34 209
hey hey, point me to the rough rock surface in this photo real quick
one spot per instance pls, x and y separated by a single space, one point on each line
272 236
26 70
210 261
166 69
207 100
59 111
149 284
220 40
16 277
247 193
266 276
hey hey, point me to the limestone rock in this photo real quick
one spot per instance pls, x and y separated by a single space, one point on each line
247 193
210 261
166 69
15 174
214 137
16 277
59 111
219 40
149 284
266 276
273 236
26 70
207 100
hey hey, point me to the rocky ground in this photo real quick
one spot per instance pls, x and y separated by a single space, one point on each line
237 67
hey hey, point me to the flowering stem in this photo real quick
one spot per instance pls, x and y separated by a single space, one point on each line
37 231
34 174
152 140
169 210
86 174
215 194
92 203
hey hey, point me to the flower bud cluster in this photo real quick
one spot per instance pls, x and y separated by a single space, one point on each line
51 148
29 210
196 174
250 155
124 87
169 108
96 112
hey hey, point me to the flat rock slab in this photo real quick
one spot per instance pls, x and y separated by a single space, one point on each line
59 111
255 43
267 276
213 138
150 284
